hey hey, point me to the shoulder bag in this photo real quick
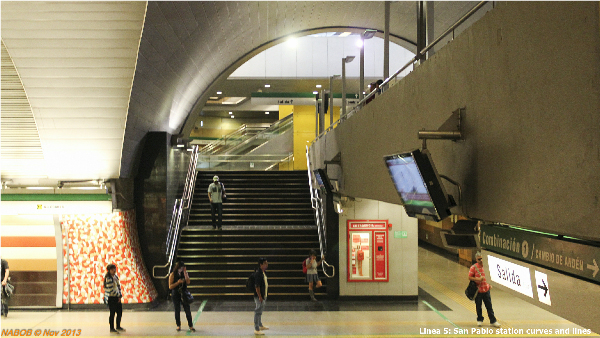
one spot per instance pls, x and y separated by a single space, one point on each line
473 288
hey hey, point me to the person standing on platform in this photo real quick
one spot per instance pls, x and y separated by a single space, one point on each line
477 274
178 282
112 291
312 276
261 286
216 193
5 276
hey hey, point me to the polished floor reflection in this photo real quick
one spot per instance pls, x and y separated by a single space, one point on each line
441 308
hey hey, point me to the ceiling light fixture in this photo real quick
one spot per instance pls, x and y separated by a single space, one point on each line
315 92
267 86
201 123
318 86
232 116
214 98
267 112
230 112
219 93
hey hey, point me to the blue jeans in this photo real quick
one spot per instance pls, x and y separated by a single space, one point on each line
487 300
216 208
260 306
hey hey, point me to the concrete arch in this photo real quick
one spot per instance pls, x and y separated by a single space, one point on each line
186 47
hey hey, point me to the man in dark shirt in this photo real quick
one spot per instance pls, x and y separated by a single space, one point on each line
261 292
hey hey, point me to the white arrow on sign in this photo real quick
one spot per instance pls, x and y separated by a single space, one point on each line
593 268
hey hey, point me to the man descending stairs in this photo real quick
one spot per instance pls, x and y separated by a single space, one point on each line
266 214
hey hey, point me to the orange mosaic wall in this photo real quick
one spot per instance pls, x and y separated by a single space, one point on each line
97 240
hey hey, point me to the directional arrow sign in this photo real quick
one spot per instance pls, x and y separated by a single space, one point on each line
593 268
543 290
544 287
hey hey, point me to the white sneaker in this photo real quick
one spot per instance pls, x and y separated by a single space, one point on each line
263 328
496 324
479 323
259 333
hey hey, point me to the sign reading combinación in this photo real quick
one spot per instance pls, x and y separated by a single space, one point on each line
545 250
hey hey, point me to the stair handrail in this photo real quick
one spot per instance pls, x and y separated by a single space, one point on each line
317 205
180 207
325 271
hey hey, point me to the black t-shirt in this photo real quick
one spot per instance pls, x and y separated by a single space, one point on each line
4 268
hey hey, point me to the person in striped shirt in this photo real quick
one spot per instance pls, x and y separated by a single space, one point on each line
477 274
112 295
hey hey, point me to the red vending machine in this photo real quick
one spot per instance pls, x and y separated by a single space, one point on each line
367 251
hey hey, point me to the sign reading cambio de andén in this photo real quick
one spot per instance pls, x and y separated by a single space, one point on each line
554 253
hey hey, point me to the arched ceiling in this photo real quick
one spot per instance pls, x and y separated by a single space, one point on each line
75 59
187 47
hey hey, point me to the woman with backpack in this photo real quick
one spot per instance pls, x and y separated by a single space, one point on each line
178 282
112 296
312 277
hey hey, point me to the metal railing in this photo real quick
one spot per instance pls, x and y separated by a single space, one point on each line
180 212
238 139
232 137
243 162
317 204
384 86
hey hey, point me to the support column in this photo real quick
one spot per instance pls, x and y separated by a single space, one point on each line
421 31
429 26
386 41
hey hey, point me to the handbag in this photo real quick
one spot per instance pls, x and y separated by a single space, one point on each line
472 289
186 297
9 289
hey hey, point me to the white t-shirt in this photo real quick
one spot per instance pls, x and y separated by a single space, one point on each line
216 192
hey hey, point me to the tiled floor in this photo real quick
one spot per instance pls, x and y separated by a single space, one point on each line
441 306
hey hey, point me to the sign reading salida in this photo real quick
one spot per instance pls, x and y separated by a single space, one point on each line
510 275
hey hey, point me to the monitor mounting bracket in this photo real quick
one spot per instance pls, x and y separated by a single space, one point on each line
450 130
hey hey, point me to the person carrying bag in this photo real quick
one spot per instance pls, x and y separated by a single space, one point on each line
178 282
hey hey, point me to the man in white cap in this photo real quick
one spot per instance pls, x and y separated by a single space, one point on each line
216 191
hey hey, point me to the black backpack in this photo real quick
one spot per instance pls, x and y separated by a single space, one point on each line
250 282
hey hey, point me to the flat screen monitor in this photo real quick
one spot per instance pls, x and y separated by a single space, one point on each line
418 185
322 180
455 241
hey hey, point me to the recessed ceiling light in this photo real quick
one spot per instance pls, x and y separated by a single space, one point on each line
201 123
267 86
267 112
315 92
344 34
219 93
230 112
214 97
232 116
318 86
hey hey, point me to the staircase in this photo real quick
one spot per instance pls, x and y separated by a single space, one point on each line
267 214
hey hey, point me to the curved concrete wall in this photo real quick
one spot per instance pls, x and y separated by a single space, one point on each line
528 74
